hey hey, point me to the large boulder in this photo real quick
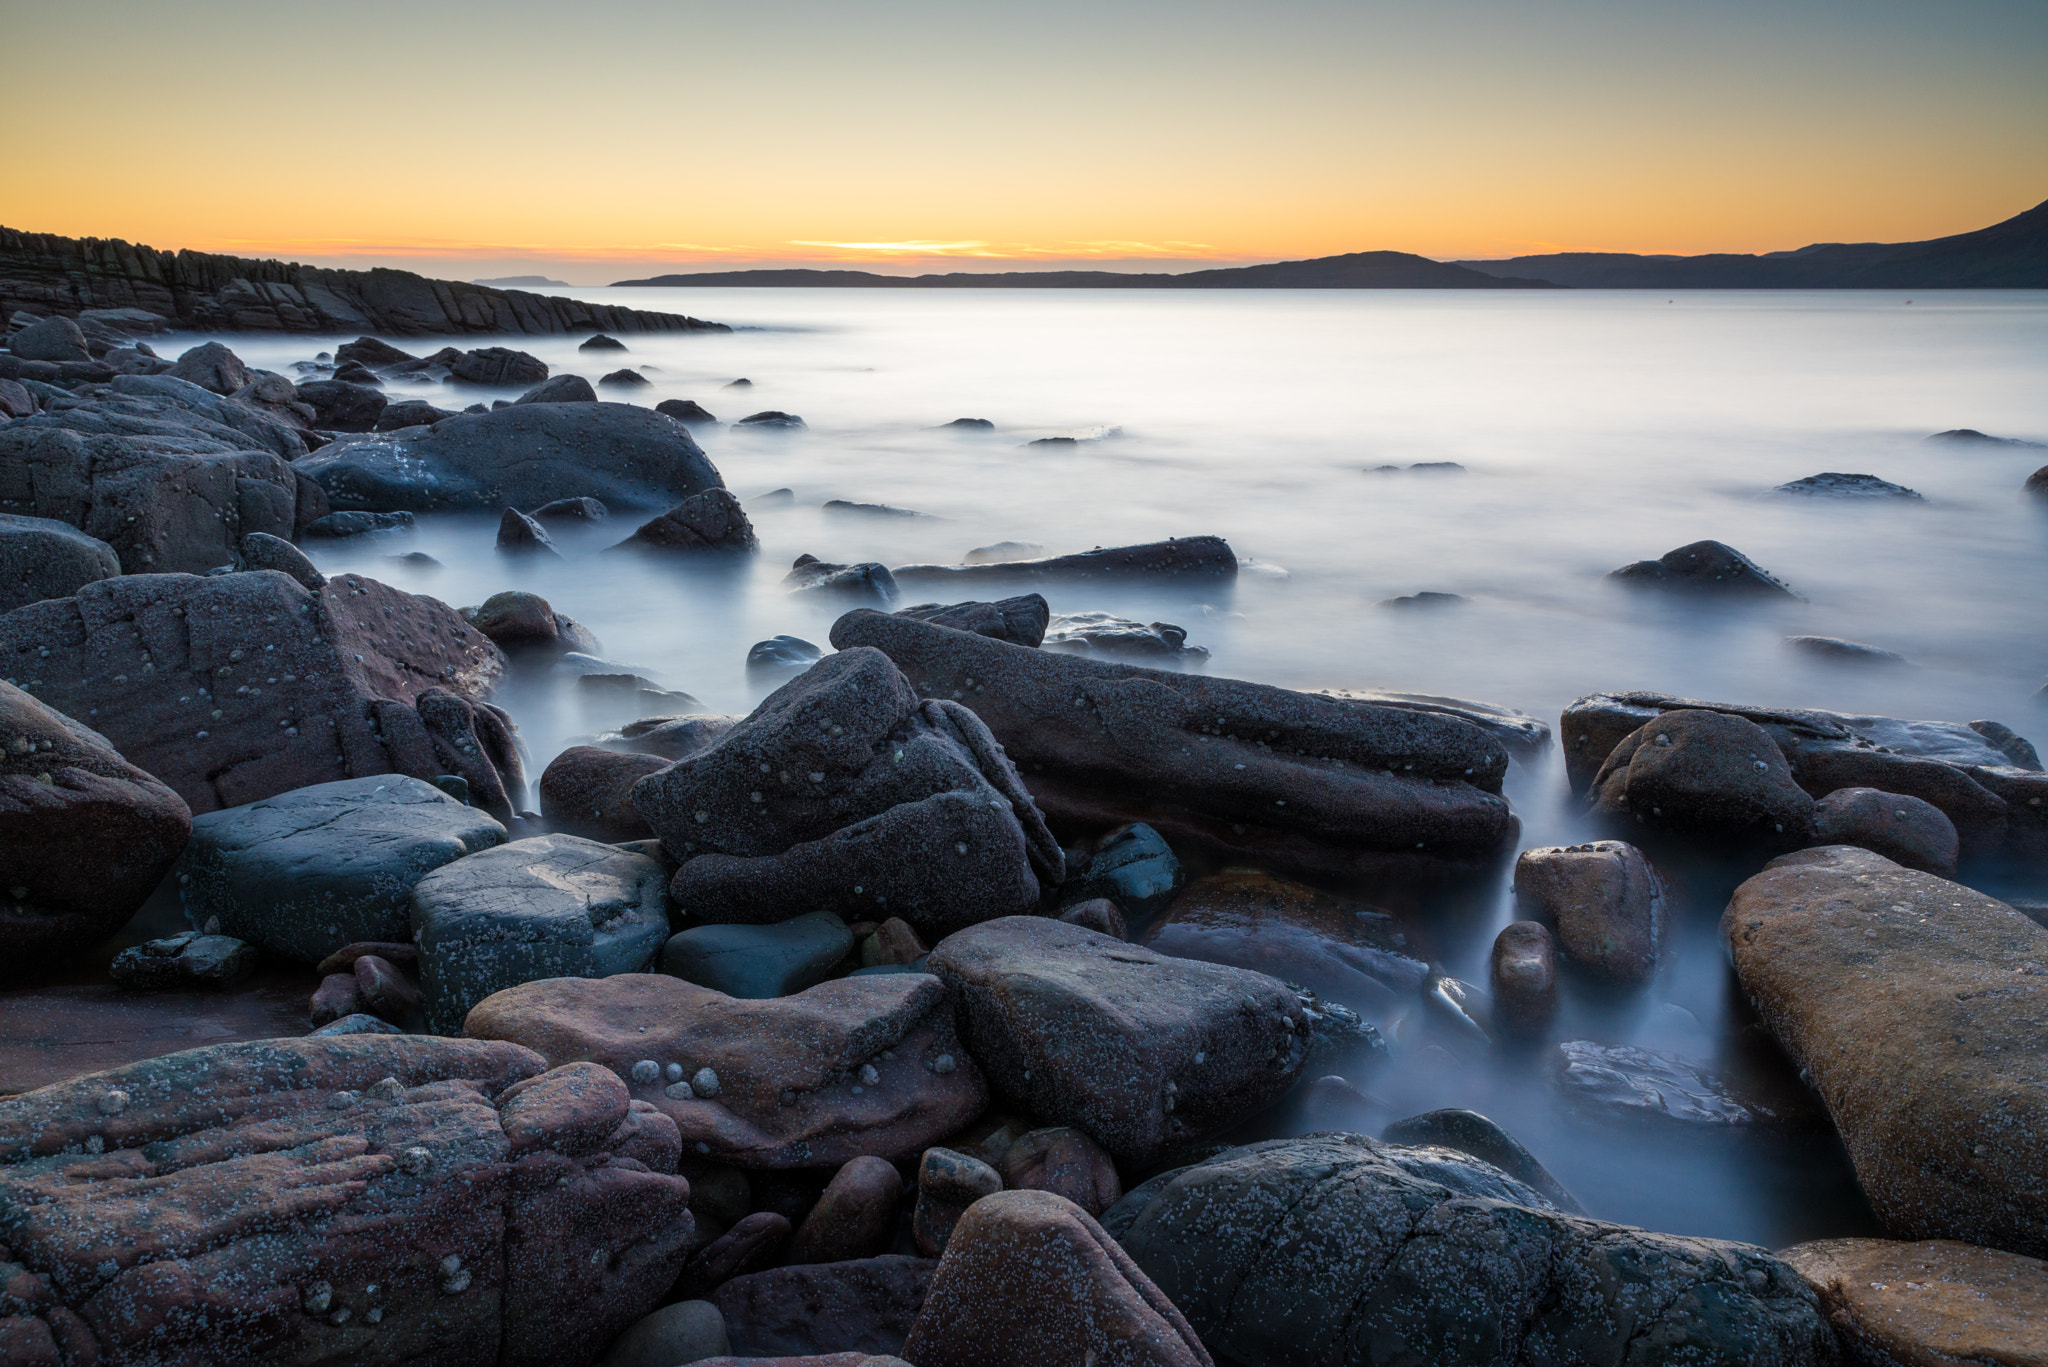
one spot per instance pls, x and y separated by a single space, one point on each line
233 688
310 871
1029 1279
43 558
374 1200
1708 568
50 339
497 365
1706 775
712 521
1986 779
85 836
843 792
1913 1005
867 1065
1604 900
210 365
1140 1051
345 406
523 455
1289 781
1935 1303
549 906
1338 1250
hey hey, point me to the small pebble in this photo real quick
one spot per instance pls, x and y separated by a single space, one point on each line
705 1083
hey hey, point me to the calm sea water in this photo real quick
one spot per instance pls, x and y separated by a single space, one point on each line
1593 429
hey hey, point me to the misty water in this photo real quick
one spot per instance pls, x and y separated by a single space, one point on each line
1593 429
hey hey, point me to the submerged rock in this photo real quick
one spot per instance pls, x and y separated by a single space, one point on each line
710 521
1472 1133
871 581
1836 485
1523 973
1838 651
519 534
1705 567
781 655
1021 620
686 411
768 420
1187 557
495 365
1622 1082
1104 634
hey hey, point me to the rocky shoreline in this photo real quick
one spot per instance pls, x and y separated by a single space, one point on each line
974 999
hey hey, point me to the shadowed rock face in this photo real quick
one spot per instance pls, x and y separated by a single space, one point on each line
42 558
368 1199
1291 781
785 1070
1916 1008
308 687
1335 1249
857 1307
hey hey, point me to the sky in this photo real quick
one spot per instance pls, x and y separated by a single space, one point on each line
614 138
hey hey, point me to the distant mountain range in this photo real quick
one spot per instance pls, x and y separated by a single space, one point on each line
2008 255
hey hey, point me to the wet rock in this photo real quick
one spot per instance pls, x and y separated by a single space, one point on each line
412 1200
1333 1247
1928 1304
1141 1051
43 558
1028 1279
1187 557
1472 1133
1135 868
371 351
572 510
947 1184
672 738
560 389
869 582
784 1071
843 792
212 366
892 942
551 906
781 654
710 521
1337 948
1100 915
349 372
309 871
1290 781
1903 829
1913 1006
1426 599
85 836
1605 901
341 406
1020 621
1623 1082
262 551
686 411
336 526
1108 636
338 997
497 365
1836 485
850 1308
1705 567
2037 483
684 1332
409 413
753 962
624 377
1837 651
1065 1162
768 420
1706 774
521 455
854 1218
1003 552
589 792
188 959
1523 969
754 1242
51 339
521 535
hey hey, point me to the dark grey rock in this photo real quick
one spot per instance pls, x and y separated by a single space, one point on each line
497 365
1903 829
50 339
710 522
262 551
1837 651
188 959
519 534
342 406
360 1023
601 342
1107 636
870 582
1135 868
1704 567
795 1314
559 389
1834 484
968 425
1426 599
336 526
624 377
781 655
840 505
1021 620
948 1183
1709 775
572 510
349 372
686 411
1187 557
372 351
1964 436
681 1332
1620 1082
409 413
768 420
41 557
1470 1132
755 962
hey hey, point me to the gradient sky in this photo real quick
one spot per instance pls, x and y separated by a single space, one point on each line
614 137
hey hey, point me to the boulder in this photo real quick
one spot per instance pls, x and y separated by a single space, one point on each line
589 792
783 1072
50 339
345 406
1903 829
550 906
497 365
1133 867
1021 620
1100 915
85 836
854 1218
1472 1133
1065 1162
947 1184
1836 651
1705 568
234 688
373 352
710 521
1141 1051
843 792
2037 483
519 534
1118 638
779 655
572 510
671 738
1707 775
1197 558
892 942
682 1332
844 1310
1524 737
687 411
1913 1006
624 377
43 558
1338 949
1834 484
1934 1303
262 551
870 582
1523 973
348 372
1293 782
396 417
309 871
560 389
1029 1279
1605 901
15 400
753 962
375 1200
522 455
767 420
1336 1249
187 959
1609 1082
600 342
755 1241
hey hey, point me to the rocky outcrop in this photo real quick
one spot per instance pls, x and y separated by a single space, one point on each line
1335 1249
1935 1303
1293 782
844 792
1183 558
232 688
47 274
375 1200
43 558
1914 1006
85 836
867 1065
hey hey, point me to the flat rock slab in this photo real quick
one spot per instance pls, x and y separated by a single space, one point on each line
1934 1303
55 1033
1918 1009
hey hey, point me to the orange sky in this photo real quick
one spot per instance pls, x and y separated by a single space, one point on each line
615 138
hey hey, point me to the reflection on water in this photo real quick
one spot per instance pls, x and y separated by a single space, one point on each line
1592 430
